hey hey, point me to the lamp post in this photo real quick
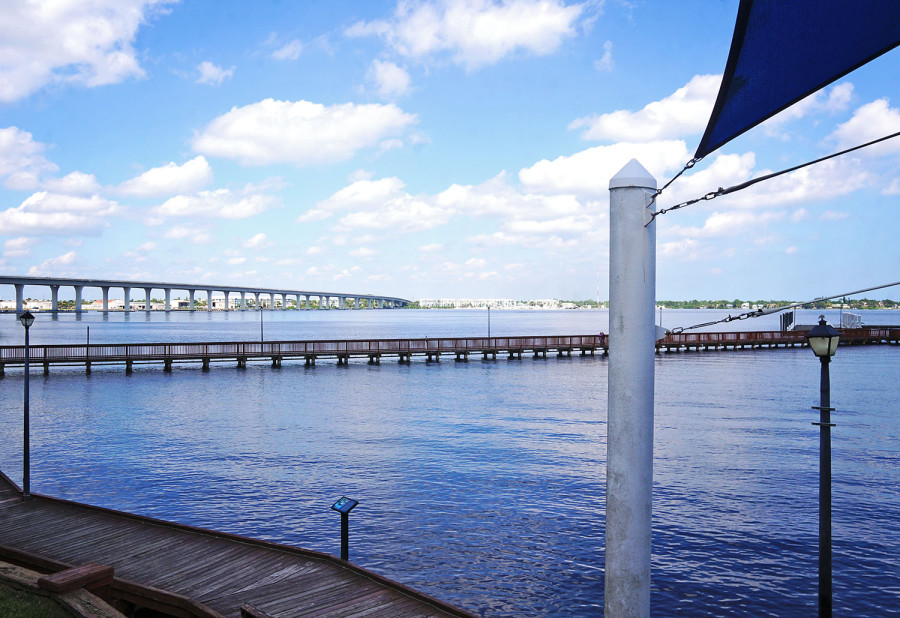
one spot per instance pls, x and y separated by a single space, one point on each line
823 339
489 321
27 320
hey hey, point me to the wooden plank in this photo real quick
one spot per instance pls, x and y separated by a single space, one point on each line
91 575
222 571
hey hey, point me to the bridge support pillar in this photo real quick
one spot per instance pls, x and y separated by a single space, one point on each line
20 297
209 300
126 303
78 290
148 292
632 342
168 292
243 301
105 290
54 298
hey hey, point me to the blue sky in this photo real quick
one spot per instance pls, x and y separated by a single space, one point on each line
431 148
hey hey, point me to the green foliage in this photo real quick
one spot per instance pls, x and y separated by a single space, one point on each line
15 603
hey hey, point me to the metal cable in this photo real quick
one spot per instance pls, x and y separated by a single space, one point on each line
714 194
756 313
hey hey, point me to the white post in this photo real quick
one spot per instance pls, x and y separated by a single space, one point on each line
629 466
168 292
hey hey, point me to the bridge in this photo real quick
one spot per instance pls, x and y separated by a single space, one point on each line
325 300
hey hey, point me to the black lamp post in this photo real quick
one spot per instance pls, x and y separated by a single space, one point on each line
344 506
823 339
27 320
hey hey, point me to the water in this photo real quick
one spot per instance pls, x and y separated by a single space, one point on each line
482 483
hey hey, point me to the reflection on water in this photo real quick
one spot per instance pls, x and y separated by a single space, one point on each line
482 483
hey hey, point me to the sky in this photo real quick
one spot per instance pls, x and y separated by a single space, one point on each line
422 149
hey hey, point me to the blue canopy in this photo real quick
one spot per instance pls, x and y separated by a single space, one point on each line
784 50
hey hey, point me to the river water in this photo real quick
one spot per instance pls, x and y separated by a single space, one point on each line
482 483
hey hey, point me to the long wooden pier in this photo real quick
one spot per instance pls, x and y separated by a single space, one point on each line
404 350
192 572
430 349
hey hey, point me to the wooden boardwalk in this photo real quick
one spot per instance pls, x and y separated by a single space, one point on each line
429 349
192 572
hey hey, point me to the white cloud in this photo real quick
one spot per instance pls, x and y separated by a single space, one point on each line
475 33
869 122
17 247
588 172
46 213
381 204
212 74
476 262
685 112
87 43
257 241
431 247
837 100
219 203
21 161
169 179
605 64
729 223
301 132
52 266
289 51
74 183
792 250
833 215
362 252
389 80
191 234
893 188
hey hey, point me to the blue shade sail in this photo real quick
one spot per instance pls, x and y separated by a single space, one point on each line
784 50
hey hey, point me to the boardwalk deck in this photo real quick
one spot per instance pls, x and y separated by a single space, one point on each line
192 572
431 349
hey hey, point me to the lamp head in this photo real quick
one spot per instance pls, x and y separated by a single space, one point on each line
823 338
26 319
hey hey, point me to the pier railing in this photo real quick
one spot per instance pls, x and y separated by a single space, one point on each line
405 349
141 352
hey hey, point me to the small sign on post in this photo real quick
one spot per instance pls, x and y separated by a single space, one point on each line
344 506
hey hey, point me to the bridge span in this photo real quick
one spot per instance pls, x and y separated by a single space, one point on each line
325 300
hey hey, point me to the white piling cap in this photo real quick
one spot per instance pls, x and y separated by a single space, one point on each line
633 175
